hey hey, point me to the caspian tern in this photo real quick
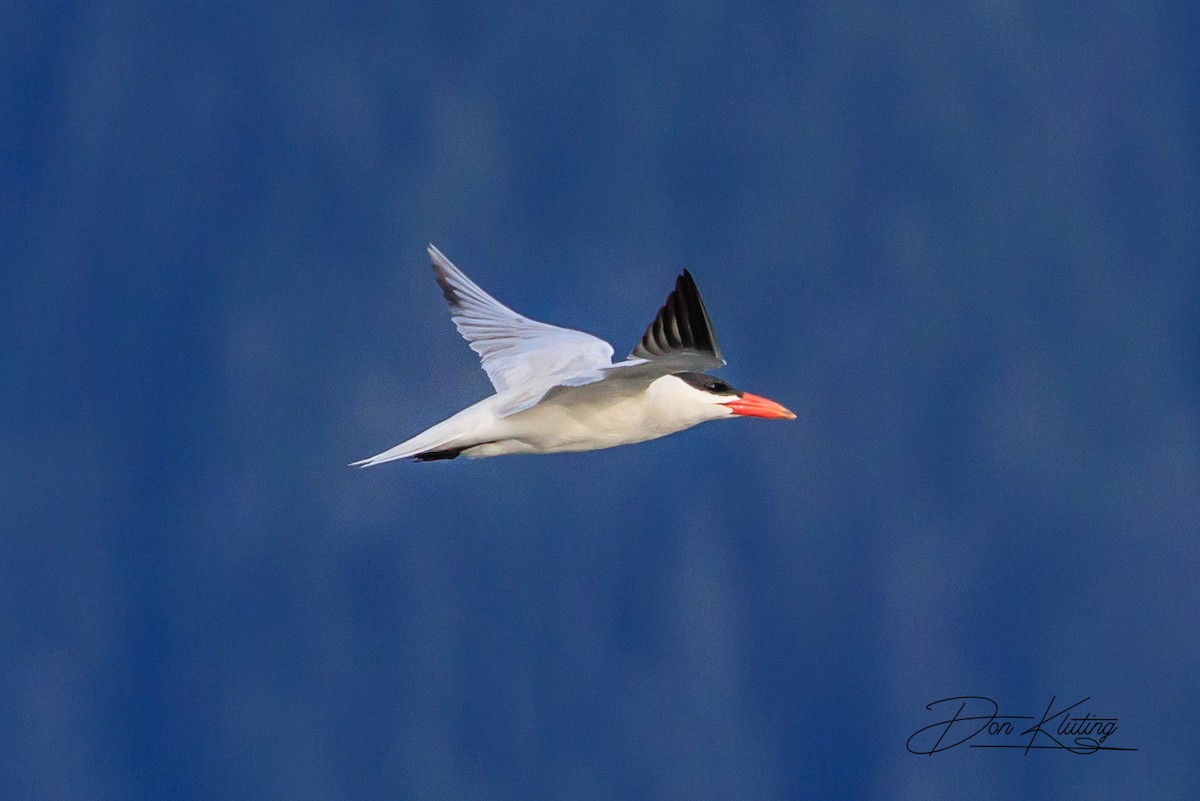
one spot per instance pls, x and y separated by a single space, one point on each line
559 390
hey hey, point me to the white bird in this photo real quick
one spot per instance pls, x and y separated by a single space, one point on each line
559 390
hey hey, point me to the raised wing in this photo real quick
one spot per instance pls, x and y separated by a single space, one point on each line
681 330
522 357
679 340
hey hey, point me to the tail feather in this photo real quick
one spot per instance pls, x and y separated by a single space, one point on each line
425 453
421 448
446 440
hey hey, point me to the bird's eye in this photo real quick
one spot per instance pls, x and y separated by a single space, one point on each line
719 386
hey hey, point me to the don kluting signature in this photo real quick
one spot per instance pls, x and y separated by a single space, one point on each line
976 719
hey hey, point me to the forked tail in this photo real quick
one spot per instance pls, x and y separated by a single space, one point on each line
420 448
446 440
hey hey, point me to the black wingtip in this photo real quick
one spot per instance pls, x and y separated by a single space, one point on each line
443 280
447 290
681 324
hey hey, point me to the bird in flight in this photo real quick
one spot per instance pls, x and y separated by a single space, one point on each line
558 389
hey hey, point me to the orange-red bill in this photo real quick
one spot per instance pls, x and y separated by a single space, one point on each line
758 406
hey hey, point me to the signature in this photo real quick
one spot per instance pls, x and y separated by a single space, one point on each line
977 718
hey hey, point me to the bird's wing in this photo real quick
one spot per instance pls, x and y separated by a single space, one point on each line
522 357
681 330
680 339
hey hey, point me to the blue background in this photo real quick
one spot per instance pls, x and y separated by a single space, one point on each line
958 239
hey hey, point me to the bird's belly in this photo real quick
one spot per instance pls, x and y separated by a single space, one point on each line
553 427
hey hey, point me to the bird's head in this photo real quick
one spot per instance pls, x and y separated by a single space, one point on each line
717 399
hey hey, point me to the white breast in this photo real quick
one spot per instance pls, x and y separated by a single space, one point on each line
602 416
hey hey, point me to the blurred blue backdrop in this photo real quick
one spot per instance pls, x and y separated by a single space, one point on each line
960 240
